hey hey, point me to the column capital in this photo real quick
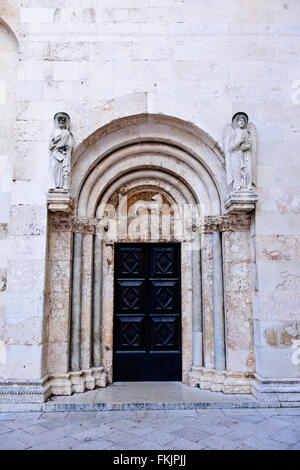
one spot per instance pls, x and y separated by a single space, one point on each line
227 223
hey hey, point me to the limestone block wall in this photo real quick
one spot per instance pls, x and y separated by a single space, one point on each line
197 60
8 71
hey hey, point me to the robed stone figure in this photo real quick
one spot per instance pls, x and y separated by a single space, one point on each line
240 145
61 146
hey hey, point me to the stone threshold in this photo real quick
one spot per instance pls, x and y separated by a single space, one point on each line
145 396
150 406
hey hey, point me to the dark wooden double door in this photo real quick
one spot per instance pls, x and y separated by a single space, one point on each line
147 312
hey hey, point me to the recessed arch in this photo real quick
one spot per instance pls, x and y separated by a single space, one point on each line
164 164
171 186
161 143
178 161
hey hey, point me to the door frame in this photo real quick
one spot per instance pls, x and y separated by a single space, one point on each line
107 305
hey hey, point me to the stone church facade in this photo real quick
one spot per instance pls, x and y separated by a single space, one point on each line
150 196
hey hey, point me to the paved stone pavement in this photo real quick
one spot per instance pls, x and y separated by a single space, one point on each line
193 429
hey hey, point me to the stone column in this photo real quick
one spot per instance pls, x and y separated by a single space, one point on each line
207 299
226 293
76 302
218 296
197 310
97 297
86 301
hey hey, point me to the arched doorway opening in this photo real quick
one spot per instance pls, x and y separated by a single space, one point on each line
156 160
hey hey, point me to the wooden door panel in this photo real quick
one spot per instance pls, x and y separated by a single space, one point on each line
164 296
131 297
130 333
147 312
164 333
130 261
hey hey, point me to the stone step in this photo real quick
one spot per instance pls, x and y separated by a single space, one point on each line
50 406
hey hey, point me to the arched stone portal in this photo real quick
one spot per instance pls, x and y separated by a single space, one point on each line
146 157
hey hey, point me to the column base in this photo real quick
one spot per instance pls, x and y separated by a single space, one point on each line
38 391
78 382
219 381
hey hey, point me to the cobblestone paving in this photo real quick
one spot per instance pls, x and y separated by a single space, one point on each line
194 429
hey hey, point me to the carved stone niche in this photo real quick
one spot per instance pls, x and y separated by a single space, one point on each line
240 146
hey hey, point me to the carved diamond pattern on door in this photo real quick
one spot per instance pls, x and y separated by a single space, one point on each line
164 332
164 262
147 311
130 262
164 298
130 297
131 333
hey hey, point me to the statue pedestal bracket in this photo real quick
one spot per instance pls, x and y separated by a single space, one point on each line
241 201
60 200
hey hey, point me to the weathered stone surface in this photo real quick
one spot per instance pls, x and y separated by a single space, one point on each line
278 247
282 336
149 89
238 302
207 293
244 429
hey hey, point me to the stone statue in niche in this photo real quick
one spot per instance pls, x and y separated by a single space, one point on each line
61 146
240 145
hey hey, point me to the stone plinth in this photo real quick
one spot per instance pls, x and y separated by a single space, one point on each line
78 382
24 391
59 200
241 201
220 381
284 390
